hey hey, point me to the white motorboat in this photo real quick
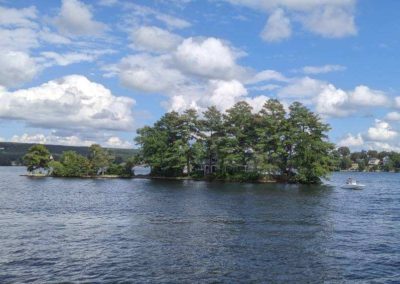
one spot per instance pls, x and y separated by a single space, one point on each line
353 184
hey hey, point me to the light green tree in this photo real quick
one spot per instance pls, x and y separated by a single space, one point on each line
71 164
100 159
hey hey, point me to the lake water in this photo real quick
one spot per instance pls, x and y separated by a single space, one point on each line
54 230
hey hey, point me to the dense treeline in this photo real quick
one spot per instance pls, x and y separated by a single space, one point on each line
239 144
13 153
370 160
98 162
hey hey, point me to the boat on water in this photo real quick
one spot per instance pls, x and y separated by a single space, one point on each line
352 184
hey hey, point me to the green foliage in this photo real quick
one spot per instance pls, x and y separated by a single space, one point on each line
345 163
271 129
310 155
239 144
71 164
100 159
37 157
344 151
124 169
361 166
388 161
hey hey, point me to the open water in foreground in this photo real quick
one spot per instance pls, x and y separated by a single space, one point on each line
143 231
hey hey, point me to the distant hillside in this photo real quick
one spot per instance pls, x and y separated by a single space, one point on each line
12 153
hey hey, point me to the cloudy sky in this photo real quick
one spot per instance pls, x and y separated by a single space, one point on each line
75 72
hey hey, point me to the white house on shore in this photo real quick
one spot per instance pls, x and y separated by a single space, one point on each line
374 162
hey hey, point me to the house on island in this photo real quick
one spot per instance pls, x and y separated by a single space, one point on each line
209 168
374 162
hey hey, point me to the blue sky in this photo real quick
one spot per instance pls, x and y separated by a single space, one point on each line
76 72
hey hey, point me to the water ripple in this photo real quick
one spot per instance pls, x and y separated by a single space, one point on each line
124 231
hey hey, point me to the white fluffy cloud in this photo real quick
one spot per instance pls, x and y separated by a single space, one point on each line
381 131
331 21
23 32
277 28
71 102
333 102
226 93
16 68
64 59
364 96
51 139
322 69
76 18
219 93
393 116
336 102
72 140
188 70
18 17
209 57
329 18
301 88
330 100
267 75
151 38
148 73
351 141
18 39
116 142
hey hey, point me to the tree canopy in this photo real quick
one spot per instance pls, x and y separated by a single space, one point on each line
239 144
72 164
37 157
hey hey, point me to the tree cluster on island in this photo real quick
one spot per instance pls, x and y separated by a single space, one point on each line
99 162
367 161
239 145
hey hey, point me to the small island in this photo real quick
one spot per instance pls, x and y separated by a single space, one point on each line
272 145
240 145
99 163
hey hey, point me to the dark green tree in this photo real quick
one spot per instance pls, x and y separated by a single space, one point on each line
271 127
372 154
240 136
37 157
310 153
212 127
189 131
345 163
361 165
344 151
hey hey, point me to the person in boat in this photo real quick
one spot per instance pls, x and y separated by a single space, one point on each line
350 181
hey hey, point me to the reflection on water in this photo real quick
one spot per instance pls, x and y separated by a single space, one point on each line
185 231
